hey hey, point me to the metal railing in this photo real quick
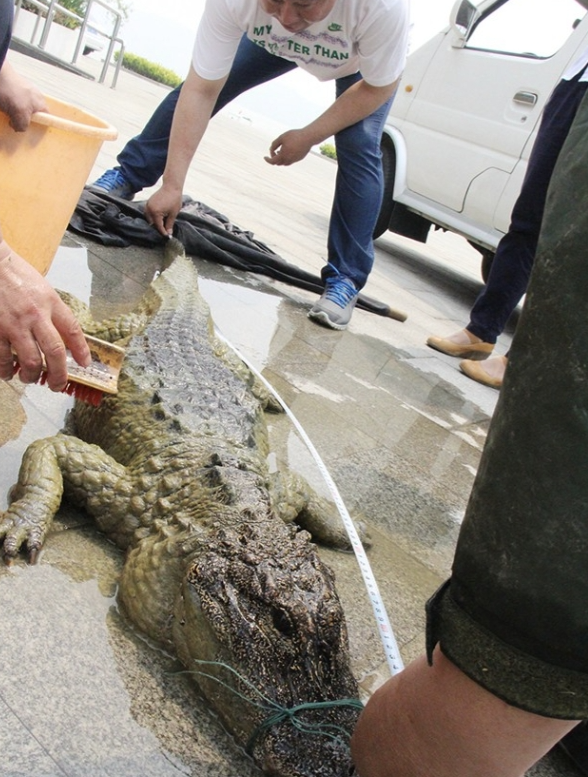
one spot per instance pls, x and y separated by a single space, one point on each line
48 10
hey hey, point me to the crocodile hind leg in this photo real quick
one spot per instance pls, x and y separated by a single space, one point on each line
224 351
88 477
295 500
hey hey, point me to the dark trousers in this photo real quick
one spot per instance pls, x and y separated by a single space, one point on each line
511 268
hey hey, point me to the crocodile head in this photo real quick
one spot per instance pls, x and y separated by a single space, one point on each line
261 627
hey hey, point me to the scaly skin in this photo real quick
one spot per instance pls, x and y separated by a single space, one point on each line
173 469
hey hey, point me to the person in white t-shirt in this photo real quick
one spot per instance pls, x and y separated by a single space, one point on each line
360 44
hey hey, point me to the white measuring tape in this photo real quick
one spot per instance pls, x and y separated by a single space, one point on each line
391 650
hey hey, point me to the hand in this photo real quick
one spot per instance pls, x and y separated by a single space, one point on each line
162 208
35 323
290 147
19 99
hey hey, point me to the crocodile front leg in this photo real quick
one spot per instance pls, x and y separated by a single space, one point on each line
113 329
88 476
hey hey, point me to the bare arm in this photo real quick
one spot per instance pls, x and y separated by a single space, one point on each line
357 102
34 321
191 116
18 98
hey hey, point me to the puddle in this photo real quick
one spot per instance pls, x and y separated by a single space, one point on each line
70 271
253 329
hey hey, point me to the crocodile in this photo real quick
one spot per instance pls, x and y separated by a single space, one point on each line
221 567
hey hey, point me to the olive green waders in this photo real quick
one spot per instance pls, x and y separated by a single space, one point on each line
514 615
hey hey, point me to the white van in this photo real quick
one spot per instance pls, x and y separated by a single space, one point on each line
461 128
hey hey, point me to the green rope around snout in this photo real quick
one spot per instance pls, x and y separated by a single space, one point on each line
290 713
277 713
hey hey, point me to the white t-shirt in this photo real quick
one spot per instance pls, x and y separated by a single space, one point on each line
370 36
576 66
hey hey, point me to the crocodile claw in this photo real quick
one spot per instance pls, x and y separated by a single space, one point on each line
34 555
11 546
13 537
11 552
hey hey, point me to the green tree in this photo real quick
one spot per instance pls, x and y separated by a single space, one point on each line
328 149
75 6
78 7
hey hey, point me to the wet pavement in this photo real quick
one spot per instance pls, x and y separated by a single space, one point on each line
397 426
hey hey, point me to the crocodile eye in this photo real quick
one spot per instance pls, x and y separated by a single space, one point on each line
282 622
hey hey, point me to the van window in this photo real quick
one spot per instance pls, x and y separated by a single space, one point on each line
527 28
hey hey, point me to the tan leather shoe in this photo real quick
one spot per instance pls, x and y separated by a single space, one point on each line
491 373
462 344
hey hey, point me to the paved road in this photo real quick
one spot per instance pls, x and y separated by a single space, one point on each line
396 424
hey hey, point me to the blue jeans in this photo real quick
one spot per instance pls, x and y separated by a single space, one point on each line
359 182
511 269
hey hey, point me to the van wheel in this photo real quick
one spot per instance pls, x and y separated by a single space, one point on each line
393 215
389 171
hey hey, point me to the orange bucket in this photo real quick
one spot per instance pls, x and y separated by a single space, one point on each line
42 174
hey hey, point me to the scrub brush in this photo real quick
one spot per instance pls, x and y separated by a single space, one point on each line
89 384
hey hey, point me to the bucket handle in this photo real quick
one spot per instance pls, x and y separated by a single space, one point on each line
107 132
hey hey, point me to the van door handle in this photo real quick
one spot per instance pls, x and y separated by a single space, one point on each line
525 98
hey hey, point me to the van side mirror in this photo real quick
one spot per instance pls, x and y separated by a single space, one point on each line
464 15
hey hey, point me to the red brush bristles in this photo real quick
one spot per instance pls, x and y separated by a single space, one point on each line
91 396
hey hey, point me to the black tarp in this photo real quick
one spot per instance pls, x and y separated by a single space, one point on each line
204 233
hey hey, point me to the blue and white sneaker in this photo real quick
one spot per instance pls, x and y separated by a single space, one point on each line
113 182
335 306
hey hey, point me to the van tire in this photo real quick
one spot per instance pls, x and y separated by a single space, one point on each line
393 215
389 173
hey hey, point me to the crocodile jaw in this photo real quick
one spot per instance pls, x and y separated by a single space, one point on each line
264 612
